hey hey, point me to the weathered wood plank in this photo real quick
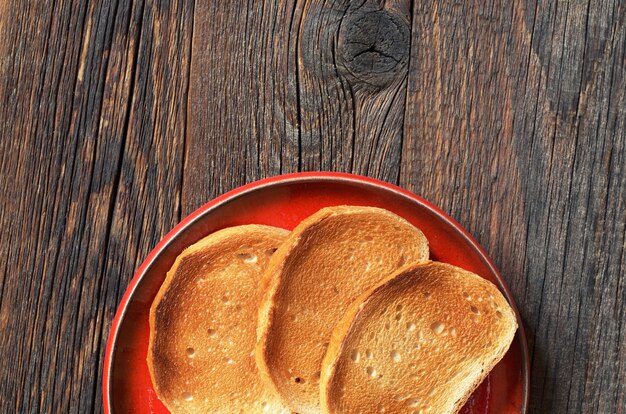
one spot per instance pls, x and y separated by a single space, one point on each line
304 86
93 126
517 131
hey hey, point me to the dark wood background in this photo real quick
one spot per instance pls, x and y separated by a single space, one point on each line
119 117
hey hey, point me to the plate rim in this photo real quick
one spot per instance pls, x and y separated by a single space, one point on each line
302 177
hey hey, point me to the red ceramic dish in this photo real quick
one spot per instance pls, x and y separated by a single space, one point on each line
284 201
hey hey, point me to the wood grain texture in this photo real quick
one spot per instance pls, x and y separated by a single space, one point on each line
304 86
519 133
93 125
118 117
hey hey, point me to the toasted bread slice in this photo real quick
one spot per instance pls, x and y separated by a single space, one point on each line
421 341
203 325
329 259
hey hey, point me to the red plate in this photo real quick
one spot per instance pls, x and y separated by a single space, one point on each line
284 201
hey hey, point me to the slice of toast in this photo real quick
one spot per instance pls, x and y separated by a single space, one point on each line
203 325
329 259
420 342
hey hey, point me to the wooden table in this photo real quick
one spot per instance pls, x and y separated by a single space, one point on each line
118 118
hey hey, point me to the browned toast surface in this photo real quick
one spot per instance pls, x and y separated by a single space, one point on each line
203 324
330 259
420 342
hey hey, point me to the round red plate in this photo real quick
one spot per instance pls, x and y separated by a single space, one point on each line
284 201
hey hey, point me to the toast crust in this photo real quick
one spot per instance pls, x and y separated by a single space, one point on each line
423 339
328 260
203 324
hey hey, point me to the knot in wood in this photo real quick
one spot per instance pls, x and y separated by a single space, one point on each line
374 45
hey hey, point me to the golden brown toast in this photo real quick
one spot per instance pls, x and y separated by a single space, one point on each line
420 342
203 325
329 260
